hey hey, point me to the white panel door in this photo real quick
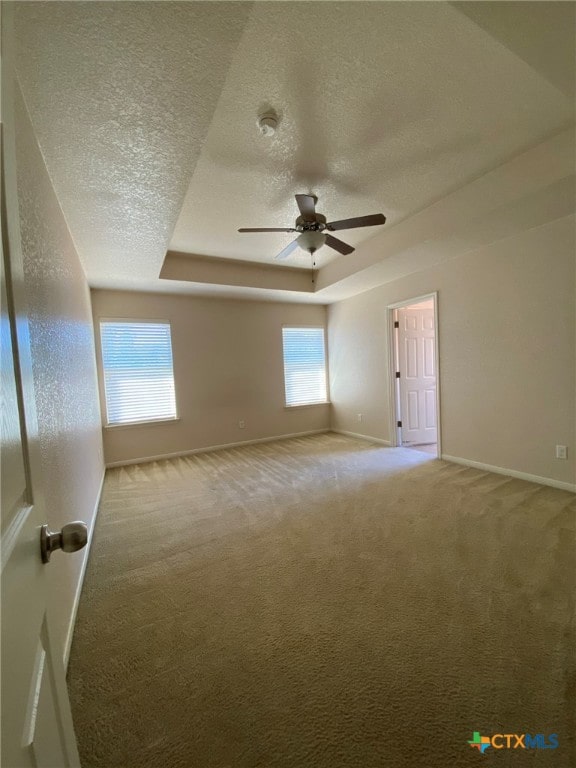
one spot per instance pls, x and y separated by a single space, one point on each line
417 363
36 722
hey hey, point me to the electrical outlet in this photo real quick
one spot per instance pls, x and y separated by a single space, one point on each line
241 424
359 417
561 452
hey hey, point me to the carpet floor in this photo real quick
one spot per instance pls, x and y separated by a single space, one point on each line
324 603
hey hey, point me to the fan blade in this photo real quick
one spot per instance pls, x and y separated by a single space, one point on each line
360 221
307 206
268 229
338 245
287 251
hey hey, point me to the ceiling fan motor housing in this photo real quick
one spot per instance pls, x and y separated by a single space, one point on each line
311 226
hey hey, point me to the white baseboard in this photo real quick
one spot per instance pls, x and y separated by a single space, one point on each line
211 448
511 473
79 585
358 436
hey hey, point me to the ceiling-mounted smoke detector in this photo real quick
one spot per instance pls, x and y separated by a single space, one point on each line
267 123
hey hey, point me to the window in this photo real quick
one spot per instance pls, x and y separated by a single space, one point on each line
304 366
137 369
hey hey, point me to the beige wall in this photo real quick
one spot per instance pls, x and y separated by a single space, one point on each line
64 368
227 367
507 341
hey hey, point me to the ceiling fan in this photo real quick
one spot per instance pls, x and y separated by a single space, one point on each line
313 228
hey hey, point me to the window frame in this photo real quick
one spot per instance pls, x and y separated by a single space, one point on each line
303 326
101 376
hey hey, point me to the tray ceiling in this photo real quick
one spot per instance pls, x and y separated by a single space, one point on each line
146 116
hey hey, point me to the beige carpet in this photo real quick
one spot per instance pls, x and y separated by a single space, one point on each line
324 602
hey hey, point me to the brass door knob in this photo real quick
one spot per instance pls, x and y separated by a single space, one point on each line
71 538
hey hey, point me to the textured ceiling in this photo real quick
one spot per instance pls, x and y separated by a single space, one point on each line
121 95
146 115
542 35
385 107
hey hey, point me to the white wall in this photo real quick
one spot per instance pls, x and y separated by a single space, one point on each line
228 367
64 368
507 340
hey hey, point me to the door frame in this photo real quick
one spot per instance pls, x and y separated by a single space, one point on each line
393 389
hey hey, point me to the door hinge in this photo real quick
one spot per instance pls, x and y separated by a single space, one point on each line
396 324
397 374
398 423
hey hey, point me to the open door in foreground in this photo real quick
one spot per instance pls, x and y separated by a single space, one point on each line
36 722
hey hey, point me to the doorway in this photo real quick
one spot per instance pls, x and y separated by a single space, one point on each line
414 374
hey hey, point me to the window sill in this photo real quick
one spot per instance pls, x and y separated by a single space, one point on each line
132 424
305 405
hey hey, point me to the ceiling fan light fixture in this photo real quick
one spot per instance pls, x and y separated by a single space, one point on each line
310 241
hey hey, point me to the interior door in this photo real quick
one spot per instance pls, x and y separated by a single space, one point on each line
417 363
36 722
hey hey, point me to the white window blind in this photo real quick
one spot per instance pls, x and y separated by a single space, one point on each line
138 373
304 366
